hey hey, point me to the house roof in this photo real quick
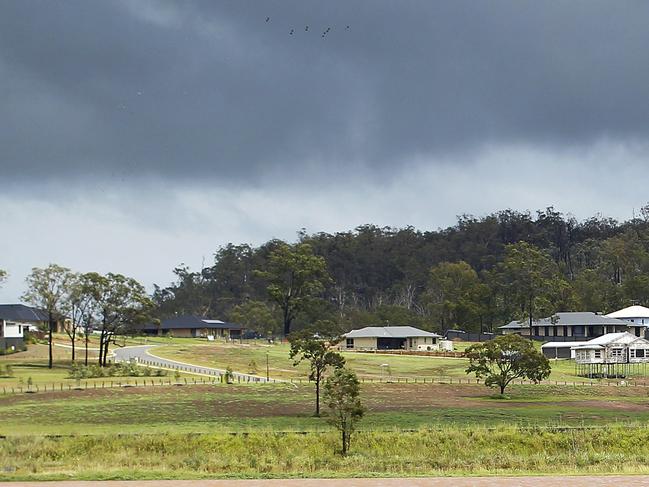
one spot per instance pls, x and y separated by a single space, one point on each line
600 342
562 344
579 318
390 332
630 312
515 325
192 321
22 313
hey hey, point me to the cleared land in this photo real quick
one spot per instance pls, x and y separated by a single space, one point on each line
267 430
251 358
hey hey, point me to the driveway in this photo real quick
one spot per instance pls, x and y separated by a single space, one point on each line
550 481
141 355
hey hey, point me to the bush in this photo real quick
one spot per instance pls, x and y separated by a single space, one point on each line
120 369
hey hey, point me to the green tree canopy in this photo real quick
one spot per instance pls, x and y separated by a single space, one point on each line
294 275
342 395
316 350
506 358
46 288
532 280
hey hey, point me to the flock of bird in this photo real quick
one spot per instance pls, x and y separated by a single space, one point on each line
306 29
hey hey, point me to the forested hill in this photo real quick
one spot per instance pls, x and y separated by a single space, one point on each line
477 274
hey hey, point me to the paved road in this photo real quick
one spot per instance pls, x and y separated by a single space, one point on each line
590 481
141 354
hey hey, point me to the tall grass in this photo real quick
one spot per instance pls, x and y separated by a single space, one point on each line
446 451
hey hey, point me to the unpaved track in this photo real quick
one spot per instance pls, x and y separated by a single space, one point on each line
550 481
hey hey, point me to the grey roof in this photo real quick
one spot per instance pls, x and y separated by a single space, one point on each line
192 321
21 313
515 325
579 318
390 332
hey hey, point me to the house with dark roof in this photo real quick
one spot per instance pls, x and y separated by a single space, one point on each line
390 338
15 320
192 326
570 326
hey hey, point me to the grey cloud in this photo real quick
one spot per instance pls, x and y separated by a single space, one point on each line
208 90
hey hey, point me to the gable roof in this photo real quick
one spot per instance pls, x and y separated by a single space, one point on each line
624 338
22 313
193 321
515 325
630 312
390 332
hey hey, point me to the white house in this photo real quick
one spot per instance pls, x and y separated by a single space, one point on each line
390 338
636 316
613 348
15 320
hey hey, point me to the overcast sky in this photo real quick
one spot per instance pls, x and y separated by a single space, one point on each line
136 135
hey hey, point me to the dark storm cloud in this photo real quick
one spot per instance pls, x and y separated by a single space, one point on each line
211 91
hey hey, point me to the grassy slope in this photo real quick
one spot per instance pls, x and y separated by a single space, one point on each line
240 357
183 432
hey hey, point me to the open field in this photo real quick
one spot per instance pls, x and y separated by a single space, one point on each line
268 430
236 408
366 365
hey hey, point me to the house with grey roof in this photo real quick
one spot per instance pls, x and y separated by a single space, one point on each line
569 326
192 326
15 321
390 338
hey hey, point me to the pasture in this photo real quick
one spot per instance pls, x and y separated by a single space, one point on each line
268 430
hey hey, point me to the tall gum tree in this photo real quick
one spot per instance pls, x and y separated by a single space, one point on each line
46 288
294 275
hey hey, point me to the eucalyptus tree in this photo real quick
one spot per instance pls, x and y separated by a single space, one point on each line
533 281
294 276
46 289
120 303
317 350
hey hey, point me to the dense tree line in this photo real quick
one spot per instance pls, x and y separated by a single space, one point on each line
475 275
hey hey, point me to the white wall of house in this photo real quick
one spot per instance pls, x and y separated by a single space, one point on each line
11 329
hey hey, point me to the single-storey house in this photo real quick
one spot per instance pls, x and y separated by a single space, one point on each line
390 338
636 316
15 320
191 326
516 327
576 325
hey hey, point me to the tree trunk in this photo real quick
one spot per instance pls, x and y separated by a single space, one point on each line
50 363
317 394
86 360
74 335
344 438
287 321
502 389
101 346
106 343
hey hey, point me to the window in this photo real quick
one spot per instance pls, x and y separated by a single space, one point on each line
637 353
349 343
616 352
598 354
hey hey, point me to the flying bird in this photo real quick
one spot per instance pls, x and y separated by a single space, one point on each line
267 19
291 33
306 29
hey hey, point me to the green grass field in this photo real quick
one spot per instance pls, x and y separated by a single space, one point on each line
268 430
252 356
